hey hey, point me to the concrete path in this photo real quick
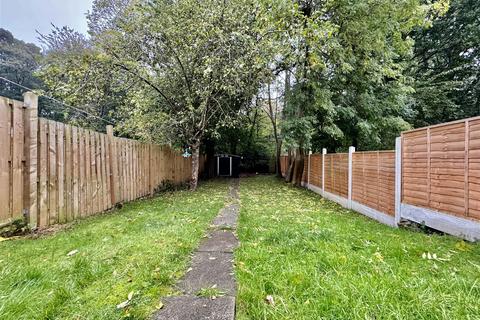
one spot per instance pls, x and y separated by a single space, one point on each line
211 272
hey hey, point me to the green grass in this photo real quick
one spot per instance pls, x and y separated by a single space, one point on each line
142 248
320 261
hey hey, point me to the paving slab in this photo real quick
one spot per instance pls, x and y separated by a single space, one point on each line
228 217
219 241
210 269
197 308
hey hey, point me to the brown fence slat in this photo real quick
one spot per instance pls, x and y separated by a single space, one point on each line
17 158
61 172
5 118
42 169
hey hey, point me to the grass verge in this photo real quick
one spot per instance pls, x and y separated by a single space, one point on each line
316 260
132 255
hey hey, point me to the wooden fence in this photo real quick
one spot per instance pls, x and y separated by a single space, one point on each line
53 173
432 178
441 168
373 182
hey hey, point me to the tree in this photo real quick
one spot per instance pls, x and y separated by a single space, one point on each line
200 64
75 72
349 77
446 67
18 61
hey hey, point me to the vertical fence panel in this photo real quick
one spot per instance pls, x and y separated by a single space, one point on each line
68 174
88 173
82 170
52 172
61 172
474 169
17 158
5 117
30 101
42 169
75 180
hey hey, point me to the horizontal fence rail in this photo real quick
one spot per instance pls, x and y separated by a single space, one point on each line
53 173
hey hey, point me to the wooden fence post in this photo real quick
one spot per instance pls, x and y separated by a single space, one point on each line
308 169
398 180
30 103
351 150
113 165
324 152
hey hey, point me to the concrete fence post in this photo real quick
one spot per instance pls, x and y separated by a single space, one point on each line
398 180
324 152
30 103
351 150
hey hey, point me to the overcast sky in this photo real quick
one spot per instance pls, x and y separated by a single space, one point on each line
23 17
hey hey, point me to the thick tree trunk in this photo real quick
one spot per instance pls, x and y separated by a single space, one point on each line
298 167
195 165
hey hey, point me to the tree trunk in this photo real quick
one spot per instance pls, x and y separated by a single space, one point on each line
278 159
195 164
298 167
290 162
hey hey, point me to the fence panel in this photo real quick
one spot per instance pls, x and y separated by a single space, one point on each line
336 174
316 170
11 146
373 183
441 168
305 169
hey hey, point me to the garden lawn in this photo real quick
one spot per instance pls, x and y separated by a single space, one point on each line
320 261
142 249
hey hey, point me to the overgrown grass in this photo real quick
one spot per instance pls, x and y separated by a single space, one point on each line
141 249
320 261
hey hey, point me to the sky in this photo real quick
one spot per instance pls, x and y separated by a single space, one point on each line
23 17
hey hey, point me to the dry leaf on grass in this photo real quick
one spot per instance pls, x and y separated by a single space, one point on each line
72 253
269 300
126 303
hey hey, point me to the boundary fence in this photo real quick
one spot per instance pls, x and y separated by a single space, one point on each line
432 178
52 172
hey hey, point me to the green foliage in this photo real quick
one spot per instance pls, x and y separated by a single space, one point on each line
79 75
320 261
199 64
446 66
143 248
350 85
18 60
251 138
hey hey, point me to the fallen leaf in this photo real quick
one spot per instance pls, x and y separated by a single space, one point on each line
72 253
123 304
269 300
